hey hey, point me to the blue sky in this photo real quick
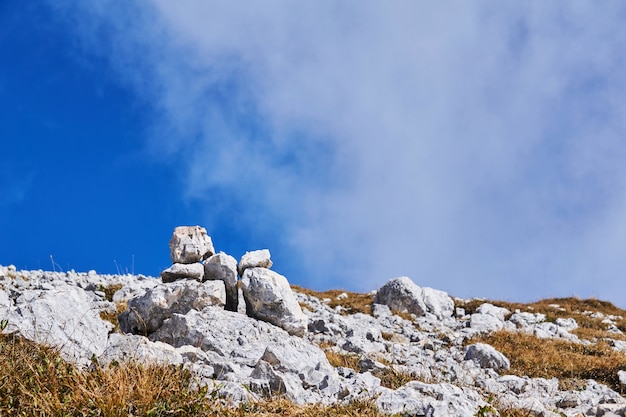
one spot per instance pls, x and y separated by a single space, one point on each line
476 148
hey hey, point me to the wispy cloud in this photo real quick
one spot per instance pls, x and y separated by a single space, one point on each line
476 148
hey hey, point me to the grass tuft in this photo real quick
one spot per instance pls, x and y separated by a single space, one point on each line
393 379
112 317
110 290
349 360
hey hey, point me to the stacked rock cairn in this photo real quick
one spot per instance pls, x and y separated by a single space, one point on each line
267 294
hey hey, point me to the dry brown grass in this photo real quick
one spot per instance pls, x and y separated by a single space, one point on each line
35 381
278 407
112 317
110 290
515 412
389 377
352 304
548 358
346 360
393 379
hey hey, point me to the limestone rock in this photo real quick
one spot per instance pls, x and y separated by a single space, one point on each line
485 323
146 313
183 271
524 319
254 349
255 259
621 375
435 400
223 267
403 295
568 324
269 298
487 356
5 303
190 244
65 317
499 312
125 347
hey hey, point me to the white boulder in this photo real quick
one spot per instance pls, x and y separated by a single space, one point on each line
487 357
498 312
401 294
183 271
223 267
269 298
255 259
190 244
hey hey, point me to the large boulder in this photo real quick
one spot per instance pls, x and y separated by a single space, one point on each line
65 316
401 294
183 271
487 357
190 244
488 308
223 267
255 259
147 312
485 323
269 298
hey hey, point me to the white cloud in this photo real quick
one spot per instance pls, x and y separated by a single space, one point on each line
477 149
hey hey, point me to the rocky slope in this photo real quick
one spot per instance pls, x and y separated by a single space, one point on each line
242 330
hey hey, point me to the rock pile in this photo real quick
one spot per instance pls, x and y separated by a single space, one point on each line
241 324
267 294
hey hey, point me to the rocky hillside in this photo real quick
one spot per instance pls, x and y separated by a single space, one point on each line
244 332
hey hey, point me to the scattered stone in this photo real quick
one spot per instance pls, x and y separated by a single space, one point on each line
525 319
499 312
255 259
568 401
622 377
183 271
485 323
190 244
401 294
487 357
269 298
568 324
